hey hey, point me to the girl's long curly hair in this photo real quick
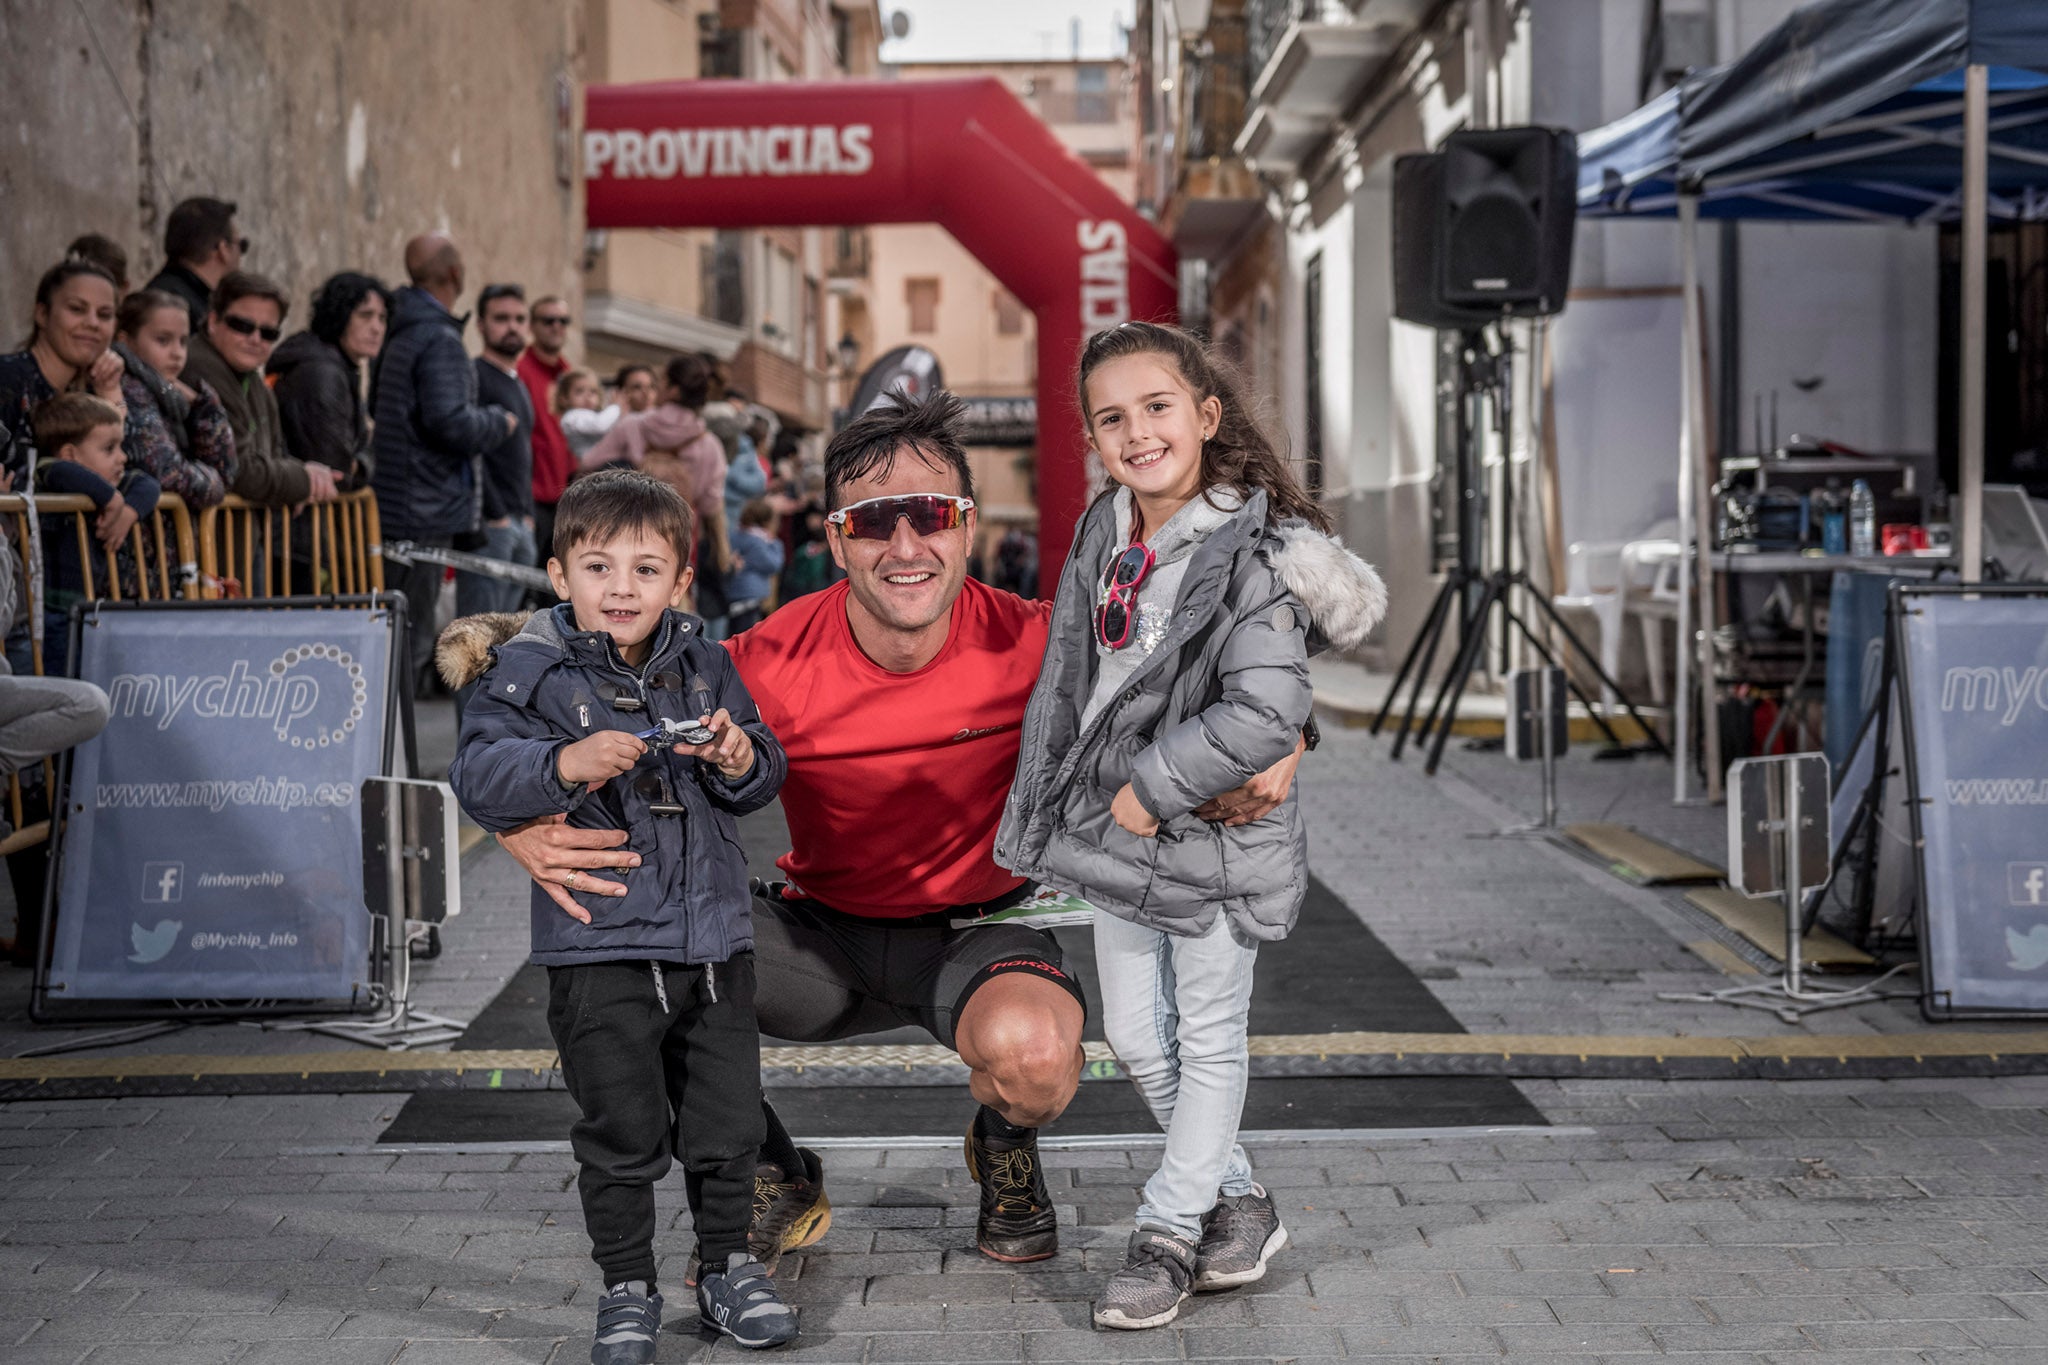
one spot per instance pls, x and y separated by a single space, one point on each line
1240 455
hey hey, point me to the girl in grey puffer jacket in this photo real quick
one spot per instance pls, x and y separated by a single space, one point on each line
1177 669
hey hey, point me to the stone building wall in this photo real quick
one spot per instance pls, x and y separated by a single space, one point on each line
340 128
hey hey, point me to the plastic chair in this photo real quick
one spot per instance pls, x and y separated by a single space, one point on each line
1651 579
1592 581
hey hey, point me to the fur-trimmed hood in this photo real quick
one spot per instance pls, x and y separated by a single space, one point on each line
1345 596
463 652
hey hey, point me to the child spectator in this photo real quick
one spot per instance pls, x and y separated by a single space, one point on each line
760 553
578 402
78 442
651 996
178 433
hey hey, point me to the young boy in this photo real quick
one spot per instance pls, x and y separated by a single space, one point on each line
650 996
78 440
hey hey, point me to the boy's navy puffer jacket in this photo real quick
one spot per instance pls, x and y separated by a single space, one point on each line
549 685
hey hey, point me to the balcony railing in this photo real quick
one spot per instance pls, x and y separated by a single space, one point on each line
1267 22
847 253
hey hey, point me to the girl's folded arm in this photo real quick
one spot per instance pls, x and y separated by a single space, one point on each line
1266 700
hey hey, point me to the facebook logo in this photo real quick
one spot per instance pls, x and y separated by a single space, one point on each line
163 881
2027 883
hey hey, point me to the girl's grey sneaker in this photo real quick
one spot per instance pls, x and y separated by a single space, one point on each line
628 1319
740 1300
1158 1275
1239 1236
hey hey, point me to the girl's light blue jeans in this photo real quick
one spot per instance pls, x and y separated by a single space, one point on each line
1175 1011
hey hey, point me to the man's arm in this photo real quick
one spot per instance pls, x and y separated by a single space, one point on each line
445 388
551 851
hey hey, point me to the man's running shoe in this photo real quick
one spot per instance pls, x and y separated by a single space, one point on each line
1158 1275
628 1321
1017 1221
1239 1236
739 1300
789 1213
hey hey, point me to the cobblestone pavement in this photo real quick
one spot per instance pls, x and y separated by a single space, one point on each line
1716 1222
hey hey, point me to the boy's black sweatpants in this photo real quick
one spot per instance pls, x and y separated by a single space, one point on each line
653 1083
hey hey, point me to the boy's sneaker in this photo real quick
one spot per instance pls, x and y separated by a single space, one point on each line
790 1213
628 1320
1239 1236
1017 1221
739 1300
1158 1276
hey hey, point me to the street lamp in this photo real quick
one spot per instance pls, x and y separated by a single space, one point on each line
849 353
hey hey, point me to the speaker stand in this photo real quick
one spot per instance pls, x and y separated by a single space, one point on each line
1484 375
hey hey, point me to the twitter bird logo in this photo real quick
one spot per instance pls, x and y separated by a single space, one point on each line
2029 950
152 944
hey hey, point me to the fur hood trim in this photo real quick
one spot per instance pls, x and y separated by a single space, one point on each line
463 653
1344 595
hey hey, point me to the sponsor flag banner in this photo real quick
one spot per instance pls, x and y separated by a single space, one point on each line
214 843
1977 692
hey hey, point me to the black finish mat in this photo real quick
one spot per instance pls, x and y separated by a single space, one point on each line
1331 974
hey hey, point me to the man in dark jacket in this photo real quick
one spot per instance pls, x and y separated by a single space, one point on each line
201 247
508 466
431 431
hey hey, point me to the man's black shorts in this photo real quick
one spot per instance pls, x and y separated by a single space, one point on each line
823 974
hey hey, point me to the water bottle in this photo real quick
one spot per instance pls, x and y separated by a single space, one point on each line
1834 519
1862 520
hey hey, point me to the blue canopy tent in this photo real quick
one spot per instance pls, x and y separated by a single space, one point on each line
1850 110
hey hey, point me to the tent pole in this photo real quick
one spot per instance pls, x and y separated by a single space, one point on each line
1970 446
1688 497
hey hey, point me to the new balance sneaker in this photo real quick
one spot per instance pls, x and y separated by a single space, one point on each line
739 1300
628 1321
1017 1221
1239 1236
1158 1276
789 1213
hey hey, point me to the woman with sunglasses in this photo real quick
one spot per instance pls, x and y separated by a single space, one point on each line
1177 669
242 329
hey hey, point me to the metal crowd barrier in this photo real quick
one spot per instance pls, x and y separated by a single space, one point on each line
330 549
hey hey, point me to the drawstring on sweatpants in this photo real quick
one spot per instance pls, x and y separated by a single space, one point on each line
711 980
660 985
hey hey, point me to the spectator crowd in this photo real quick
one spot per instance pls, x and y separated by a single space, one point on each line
188 385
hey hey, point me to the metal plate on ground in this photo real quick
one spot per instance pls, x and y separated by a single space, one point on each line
1639 858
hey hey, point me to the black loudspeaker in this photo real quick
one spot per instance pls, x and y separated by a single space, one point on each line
1483 229
1418 234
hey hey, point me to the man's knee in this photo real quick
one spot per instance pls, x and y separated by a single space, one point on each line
1027 1042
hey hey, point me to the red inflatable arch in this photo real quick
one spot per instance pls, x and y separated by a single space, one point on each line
964 154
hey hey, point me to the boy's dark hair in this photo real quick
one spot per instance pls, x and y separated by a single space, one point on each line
929 426
492 293
627 371
237 285
196 227
691 378
104 252
68 419
758 512
336 301
603 506
1241 455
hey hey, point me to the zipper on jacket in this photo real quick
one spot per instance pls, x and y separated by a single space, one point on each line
660 985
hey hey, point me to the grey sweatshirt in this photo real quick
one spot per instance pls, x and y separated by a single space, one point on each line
1171 545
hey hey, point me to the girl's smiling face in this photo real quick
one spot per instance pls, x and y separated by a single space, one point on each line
1148 427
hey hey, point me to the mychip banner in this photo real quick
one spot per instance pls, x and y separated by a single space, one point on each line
1976 680
213 849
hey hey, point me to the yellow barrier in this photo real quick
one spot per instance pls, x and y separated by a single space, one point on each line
161 549
331 549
